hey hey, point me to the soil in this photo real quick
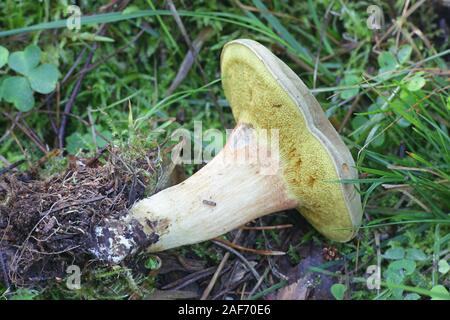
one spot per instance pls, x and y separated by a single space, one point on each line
47 224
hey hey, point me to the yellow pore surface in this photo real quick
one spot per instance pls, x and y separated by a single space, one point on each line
257 98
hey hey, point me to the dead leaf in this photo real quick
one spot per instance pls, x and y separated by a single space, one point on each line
191 264
241 271
297 291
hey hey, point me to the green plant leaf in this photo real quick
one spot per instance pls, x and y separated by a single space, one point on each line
406 266
25 61
379 140
153 263
43 79
17 90
443 266
77 141
4 53
388 63
412 296
404 53
395 277
416 83
394 254
350 80
358 121
415 254
338 291
24 294
439 289
1 88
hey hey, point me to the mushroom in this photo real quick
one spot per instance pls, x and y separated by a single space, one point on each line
256 173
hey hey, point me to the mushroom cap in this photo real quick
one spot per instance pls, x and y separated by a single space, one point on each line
265 93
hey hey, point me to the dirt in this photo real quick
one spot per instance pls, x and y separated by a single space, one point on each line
47 224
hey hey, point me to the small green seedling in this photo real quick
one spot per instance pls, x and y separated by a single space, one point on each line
338 291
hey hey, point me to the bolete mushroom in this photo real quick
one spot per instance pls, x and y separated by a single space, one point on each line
239 185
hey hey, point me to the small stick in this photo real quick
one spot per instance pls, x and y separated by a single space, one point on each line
4 270
240 256
280 226
27 132
258 284
218 271
256 251
71 101
181 283
11 167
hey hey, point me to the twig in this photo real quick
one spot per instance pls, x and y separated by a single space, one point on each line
4 270
195 52
11 129
256 251
103 60
82 74
26 132
349 113
272 265
11 167
258 284
241 257
191 278
71 101
219 269
232 287
277 227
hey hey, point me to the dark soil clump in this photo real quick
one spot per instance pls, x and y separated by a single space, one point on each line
46 225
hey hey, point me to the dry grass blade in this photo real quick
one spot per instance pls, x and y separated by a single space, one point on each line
189 60
281 226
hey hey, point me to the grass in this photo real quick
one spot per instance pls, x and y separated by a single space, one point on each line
387 93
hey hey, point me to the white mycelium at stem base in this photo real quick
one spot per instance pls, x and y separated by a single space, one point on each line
243 182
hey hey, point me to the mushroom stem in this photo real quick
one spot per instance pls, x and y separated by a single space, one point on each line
243 182
239 185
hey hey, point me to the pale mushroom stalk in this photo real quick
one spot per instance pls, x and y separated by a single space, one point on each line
242 183
284 153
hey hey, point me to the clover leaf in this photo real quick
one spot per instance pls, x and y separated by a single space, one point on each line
4 53
415 254
25 61
404 53
350 80
17 90
443 266
388 63
416 83
43 79
338 291
394 254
